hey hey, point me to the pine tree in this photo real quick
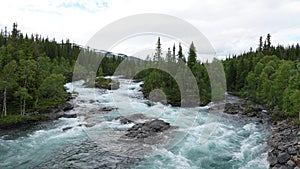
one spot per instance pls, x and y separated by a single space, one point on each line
174 54
192 56
268 41
158 52
180 54
169 56
260 45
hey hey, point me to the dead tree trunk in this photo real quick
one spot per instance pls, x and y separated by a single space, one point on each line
4 110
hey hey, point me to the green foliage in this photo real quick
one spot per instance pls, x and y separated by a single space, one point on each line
10 120
271 76
192 56
33 71
158 51
180 54
165 81
157 79
100 82
52 88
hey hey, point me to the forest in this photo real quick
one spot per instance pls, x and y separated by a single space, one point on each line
34 69
269 75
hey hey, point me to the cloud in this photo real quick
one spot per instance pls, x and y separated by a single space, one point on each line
88 5
232 26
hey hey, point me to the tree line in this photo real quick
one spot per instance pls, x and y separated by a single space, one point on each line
269 75
175 63
34 69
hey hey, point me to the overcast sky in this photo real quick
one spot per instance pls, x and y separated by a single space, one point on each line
232 26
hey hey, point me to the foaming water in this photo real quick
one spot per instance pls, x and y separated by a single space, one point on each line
203 140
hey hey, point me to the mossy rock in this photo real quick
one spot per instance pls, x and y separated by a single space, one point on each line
104 83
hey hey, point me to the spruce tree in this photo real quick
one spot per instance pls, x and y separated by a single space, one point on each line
174 54
260 45
169 56
192 59
158 53
180 54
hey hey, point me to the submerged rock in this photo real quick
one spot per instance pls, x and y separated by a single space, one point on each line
69 115
124 120
67 128
86 125
107 109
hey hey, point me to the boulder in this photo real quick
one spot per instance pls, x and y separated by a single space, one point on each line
67 106
232 108
107 109
67 128
114 85
149 103
272 160
283 158
296 160
69 115
291 163
149 128
124 120
282 167
292 151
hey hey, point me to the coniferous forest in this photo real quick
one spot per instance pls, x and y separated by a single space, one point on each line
269 75
34 69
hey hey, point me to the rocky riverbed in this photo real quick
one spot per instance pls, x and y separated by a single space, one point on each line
284 141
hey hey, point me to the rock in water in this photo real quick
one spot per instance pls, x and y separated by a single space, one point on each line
114 85
124 120
149 128
67 106
69 115
107 109
67 128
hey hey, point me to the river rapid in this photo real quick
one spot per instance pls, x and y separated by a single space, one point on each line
200 140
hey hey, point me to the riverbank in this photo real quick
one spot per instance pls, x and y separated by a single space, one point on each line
51 113
284 140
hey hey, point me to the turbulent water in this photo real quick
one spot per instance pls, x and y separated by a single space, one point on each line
202 139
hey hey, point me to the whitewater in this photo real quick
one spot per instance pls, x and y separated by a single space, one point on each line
201 139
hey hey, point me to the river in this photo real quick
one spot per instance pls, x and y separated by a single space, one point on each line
202 139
